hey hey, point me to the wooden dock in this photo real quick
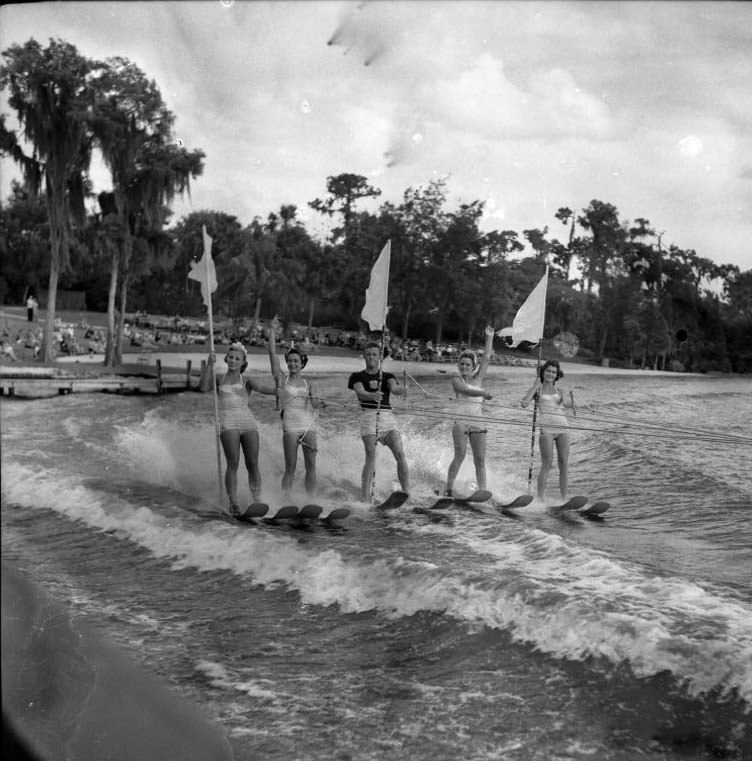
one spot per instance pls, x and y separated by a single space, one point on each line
41 384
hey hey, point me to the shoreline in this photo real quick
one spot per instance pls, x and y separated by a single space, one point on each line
142 362
145 363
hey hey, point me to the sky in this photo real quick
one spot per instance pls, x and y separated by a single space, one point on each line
526 106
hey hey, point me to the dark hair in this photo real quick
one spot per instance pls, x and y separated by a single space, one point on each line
303 357
551 363
375 345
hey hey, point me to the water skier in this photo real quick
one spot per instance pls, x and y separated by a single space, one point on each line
299 403
376 415
468 388
553 425
237 424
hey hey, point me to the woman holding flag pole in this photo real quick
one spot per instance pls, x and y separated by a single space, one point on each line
553 425
528 326
546 397
373 386
234 423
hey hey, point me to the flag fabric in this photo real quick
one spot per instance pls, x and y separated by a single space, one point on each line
203 270
528 322
375 309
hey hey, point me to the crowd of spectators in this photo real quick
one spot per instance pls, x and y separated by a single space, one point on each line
144 332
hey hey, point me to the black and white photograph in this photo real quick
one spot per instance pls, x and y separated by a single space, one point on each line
376 380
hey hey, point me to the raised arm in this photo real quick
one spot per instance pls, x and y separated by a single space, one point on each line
272 347
487 351
205 381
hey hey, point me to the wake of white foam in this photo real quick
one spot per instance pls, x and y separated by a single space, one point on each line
563 600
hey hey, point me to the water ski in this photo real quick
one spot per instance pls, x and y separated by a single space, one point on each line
309 512
336 515
595 510
441 503
255 510
573 504
328 521
284 513
477 496
394 500
522 501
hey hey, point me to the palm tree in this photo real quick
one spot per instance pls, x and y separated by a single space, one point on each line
50 90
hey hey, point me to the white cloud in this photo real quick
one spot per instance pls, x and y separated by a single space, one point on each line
531 106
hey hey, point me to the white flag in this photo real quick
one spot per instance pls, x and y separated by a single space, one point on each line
528 322
374 312
203 270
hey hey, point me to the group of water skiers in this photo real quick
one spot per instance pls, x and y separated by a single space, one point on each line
299 402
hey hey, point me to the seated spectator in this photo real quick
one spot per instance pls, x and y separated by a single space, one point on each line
7 351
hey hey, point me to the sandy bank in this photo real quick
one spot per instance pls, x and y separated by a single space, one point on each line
323 363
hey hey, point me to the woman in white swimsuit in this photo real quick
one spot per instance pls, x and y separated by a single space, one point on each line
553 425
468 425
237 424
299 404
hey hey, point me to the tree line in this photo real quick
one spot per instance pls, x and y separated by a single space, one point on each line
615 284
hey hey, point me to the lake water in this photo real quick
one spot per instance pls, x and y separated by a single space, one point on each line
498 637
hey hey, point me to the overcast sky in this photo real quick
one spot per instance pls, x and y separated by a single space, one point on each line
527 106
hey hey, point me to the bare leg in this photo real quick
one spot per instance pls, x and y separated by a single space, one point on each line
308 442
394 441
478 445
231 445
460 450
369 444
290 447
249 440
562 452
547 452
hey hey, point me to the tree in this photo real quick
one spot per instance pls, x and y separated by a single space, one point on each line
24 244
563 254
599 256
453 274
133 129
344 192
227 243
50 91
537 239
415 227
494 267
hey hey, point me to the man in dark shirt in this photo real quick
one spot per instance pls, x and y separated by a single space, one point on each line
377 421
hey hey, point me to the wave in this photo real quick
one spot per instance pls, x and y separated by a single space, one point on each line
567 601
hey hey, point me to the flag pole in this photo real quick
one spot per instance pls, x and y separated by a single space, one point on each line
381 359
207 256
535 396
535 415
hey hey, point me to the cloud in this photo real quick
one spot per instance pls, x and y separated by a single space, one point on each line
530 106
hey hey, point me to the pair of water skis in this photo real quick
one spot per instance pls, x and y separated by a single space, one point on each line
305 517
576 505
442 503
